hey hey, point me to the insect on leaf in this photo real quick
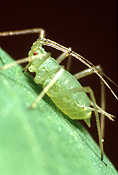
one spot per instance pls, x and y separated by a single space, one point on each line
42 140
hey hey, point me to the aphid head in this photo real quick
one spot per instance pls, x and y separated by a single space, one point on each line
38 56
36 49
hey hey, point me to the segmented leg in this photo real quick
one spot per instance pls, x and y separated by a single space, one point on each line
90 92
85 73
69 62
103 106
63 56
23 32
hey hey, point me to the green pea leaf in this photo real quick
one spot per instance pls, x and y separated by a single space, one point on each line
41 141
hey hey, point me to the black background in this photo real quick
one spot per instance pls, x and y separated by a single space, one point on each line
89 27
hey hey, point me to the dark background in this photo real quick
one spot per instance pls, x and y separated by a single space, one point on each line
89 27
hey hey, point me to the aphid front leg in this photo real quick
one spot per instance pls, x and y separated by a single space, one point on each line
20 61
85 73
25 31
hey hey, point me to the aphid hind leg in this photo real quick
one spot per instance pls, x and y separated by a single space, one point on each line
85 73
90 92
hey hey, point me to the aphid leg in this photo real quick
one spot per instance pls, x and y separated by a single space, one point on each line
85 73
44 91
23 32
103 106
63 56
101 111
90 92
20 61
69 62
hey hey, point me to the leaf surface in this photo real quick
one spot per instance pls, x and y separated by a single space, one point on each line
42 140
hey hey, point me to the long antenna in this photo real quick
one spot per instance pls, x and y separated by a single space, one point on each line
57 46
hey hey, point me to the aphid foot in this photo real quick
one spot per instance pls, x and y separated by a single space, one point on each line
104 163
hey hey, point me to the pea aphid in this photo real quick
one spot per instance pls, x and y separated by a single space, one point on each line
62 87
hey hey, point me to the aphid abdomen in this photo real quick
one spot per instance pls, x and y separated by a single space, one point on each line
72 104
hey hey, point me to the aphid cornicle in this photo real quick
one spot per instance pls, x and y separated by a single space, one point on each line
61 86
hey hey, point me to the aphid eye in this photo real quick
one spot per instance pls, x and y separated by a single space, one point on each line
35 53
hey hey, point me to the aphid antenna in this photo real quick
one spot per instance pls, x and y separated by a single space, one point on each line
57 46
